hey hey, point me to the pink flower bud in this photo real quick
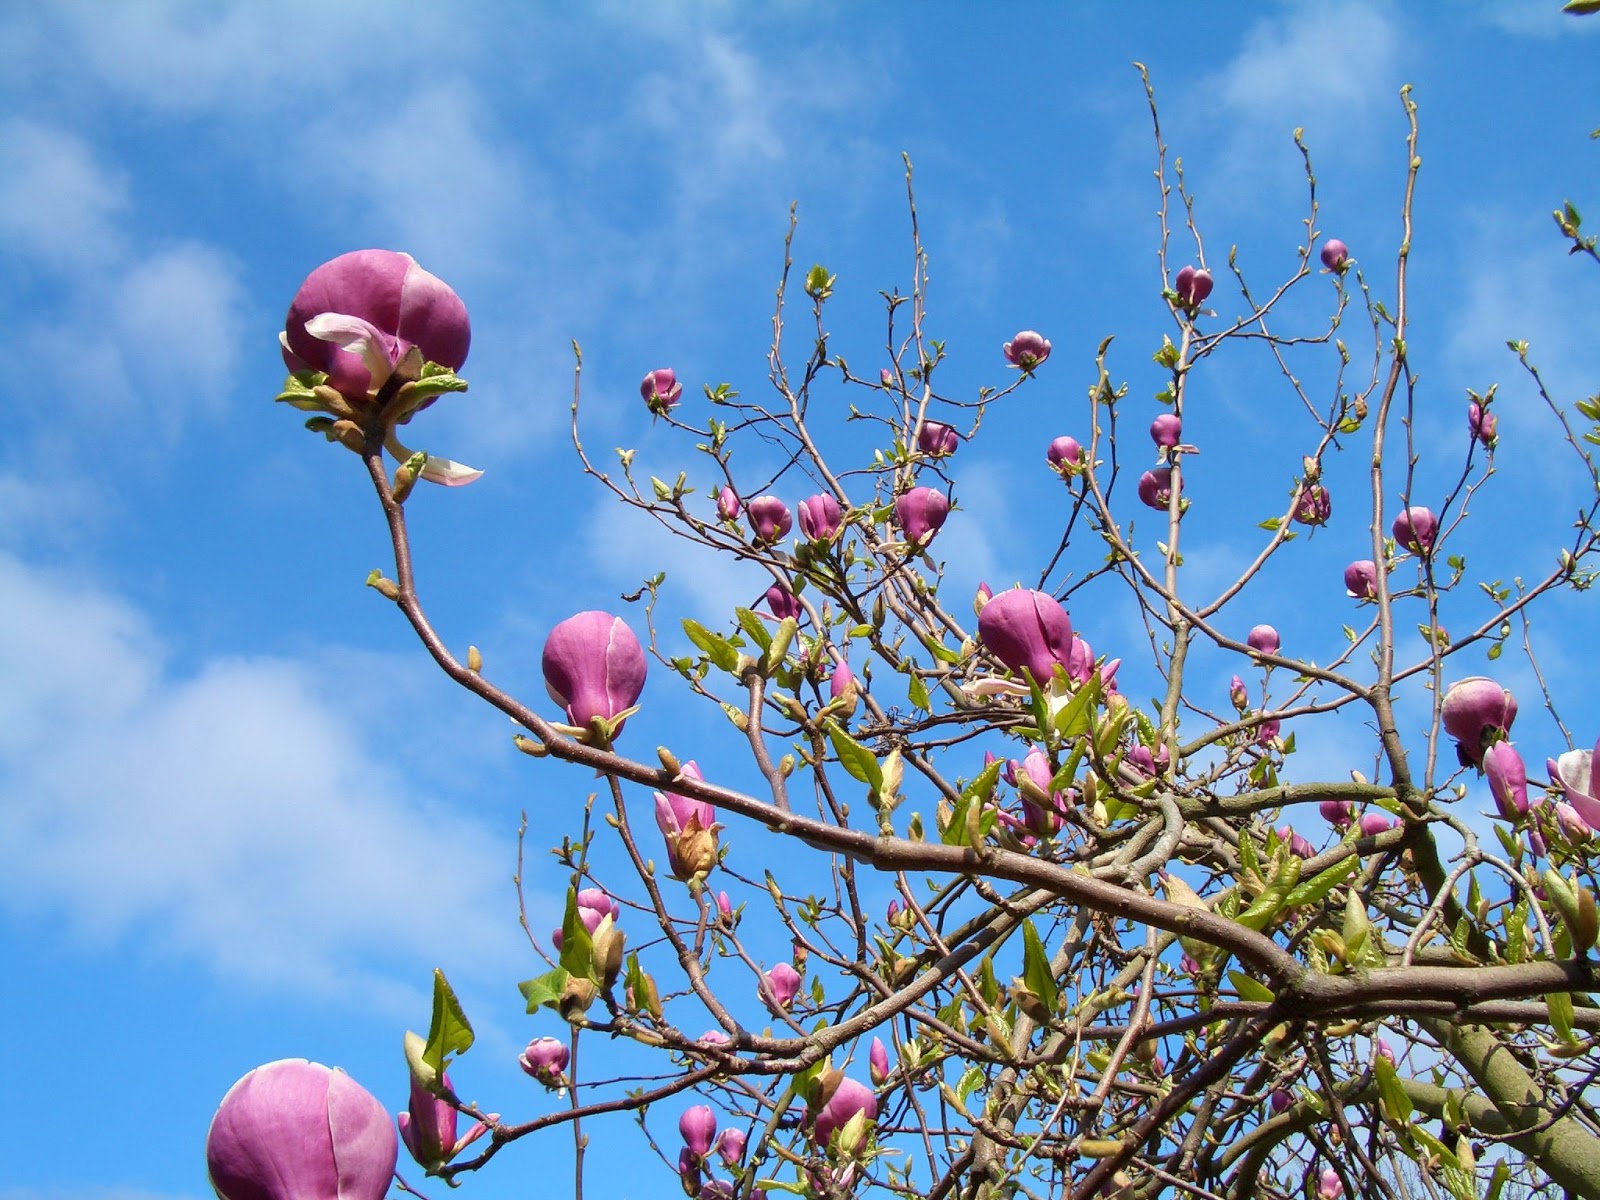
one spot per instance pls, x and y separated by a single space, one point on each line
428 1128
728 506
593 667
689 827
1382 1049
1572 825
1508 779
730 1146
1314 505
1476 711
1267 732
848 1099
1335 255
1041 807
1374 823
820 517
770 519
357 316
1188 965
783 982
1329 1186
698 1126
1155 488
661 390
1027 350
545 1059
1080 662
1238 694
1066 456
1481 422
1027 631
842 685
886 377
1415 529
878 1062
1166 430
1263 639
938 440
921 513
724 908
1146 762
1338 813
1361 580
1280 1101
1298 846
295 1130
1192 286
782 603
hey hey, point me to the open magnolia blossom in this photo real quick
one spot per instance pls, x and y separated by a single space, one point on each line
1576 772
364 315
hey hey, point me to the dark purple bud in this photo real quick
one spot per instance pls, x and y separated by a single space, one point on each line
1155 488
594 667
295 1130
820 517
1335 255
770 519
1415 529
1338 813
782 603
728 506
545 1059
1280 1101
1314 505
1027 630
661 390
1027 350
938 440
1263 639
1361 580
357 316
1066 456
1476 712
1374 823
921 513
1508 779
698 1126
1192 286
1166 430
1481 422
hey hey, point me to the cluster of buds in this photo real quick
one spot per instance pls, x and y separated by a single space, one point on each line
594 667
1027 350
698 1128
1191 286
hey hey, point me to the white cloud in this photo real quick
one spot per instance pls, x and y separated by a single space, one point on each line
232 812
58 204
1534 20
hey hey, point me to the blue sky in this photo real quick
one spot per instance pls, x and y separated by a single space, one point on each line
240 817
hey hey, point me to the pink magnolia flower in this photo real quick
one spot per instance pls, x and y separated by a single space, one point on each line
428 1128
730 1147
921 513
1578 774
842 684
1329 1186
1267 732
1374 823
1155 488
1146 762
661 390
1571 823
820 517
1166 430
1298 846
356 317
1475 712
1335 255
937 439
1481 422
689 827
1066 456
728 506
1361 580
1382 1049
1039 818
1415 529
1263 639
783 982
848 1099
698 1126
594 667
1338 813
724 909
1238 694
782 603
1313 506
1508 779
1192 286
1027 631
1027 350
770 519
545 1059
878 1062
295 1130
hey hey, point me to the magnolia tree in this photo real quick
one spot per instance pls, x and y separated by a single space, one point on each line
963 918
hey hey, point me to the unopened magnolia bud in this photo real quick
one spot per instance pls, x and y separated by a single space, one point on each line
530 747
669 760
383 586
404 480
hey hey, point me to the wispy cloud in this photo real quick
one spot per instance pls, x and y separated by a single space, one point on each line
59 204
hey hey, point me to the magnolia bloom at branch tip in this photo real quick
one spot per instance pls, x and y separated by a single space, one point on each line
783 981
849 1098
594 906
1361 580
878 1062
1481 424
1329 1185
1026 350
1193 285
1155 488
545 1059
1027 631
1415 529
297 1130
1338 813
1335 255
820 516
1314 505
1373 822
937 439
1508 779
782 603
661 390
921 513
770 519
594 667
428 1127
1475 712
1263 639
698 1127
689 827
728 506
730 1147
1577 772
1065 456
1166 430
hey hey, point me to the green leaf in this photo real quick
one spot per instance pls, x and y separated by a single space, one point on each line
449 1033
754 626
917 693
1395 1101
1073 720
940 651
855 758
1315 889
722 653
1560 1004
1250 989
544 991
1498 1181
577 946
1036 971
